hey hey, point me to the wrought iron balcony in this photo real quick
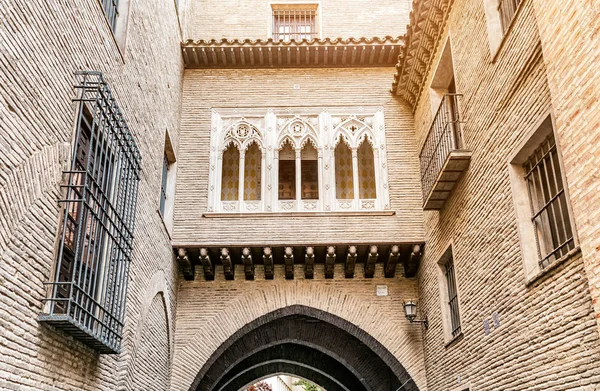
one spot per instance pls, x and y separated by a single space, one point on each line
443 157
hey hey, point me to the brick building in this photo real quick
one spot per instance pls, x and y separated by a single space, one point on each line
196 195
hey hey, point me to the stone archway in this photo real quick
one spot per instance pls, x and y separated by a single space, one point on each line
306 342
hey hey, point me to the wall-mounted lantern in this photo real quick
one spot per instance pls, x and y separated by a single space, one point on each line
410 310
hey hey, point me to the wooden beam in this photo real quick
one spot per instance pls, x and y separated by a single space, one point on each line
248 264
371 261
214 56
382 54
270 56
372 55
309 263
353 61
289 57
196 59
204 57
344 52
228 266
350 262
251 57
325 56
411 265
223 57
184 262
207 265
288 258
261 56
316 56
391 261
233 62
279 56
268 262
330 262
243 56
335 53
362 55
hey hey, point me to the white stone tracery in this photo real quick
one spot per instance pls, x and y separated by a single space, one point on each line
324 129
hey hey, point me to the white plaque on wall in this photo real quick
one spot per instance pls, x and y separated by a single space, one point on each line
382 290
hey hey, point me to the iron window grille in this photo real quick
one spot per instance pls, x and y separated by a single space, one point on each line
89 285
452 297
445 136
550 214
111 9
507 10
296 24
163 185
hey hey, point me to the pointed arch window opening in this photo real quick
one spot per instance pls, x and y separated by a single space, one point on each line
287 171
277 162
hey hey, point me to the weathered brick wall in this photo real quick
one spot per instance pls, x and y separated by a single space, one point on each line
204 89
571 54
42 45
214 19
205 319
546 339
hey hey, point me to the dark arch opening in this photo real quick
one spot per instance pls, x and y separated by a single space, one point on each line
308 343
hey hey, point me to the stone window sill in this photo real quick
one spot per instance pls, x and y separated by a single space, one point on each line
300 214
539 275
508 31
454 340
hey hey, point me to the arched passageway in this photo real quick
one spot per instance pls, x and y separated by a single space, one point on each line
308 343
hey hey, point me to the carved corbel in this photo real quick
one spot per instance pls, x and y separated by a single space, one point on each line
288 257
228 267
330 262
309 263
411 265
268 261
248 264
207 265
371 261
184 262
351 262
391 261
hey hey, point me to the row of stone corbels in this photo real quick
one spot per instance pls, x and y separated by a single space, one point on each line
309 261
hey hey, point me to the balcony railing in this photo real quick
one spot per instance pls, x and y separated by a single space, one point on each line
443 157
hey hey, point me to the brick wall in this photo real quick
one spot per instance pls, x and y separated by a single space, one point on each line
205 320
204 89
546 339
214 19
575 92
43 45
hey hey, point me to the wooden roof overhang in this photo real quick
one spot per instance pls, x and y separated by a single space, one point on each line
315 53
408 255
427 21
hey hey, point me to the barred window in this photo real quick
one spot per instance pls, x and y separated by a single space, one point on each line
111 8
549 211
452 295
87 292
507 10
163 185
294 22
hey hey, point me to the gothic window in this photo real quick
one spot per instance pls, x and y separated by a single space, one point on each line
231 173
295 22
287 172
309 172
87 291
252 173
366 172
344 176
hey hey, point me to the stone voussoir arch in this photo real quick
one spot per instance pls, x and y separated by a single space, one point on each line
327 303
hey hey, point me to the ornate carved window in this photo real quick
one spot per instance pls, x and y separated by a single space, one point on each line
267 160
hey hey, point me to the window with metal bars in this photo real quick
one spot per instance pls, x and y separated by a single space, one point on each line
296 23
89 285
111 10
452 295
163 185
507 10
549 210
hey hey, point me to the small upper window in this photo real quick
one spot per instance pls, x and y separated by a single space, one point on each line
449 296
111 9
507 10
294 22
